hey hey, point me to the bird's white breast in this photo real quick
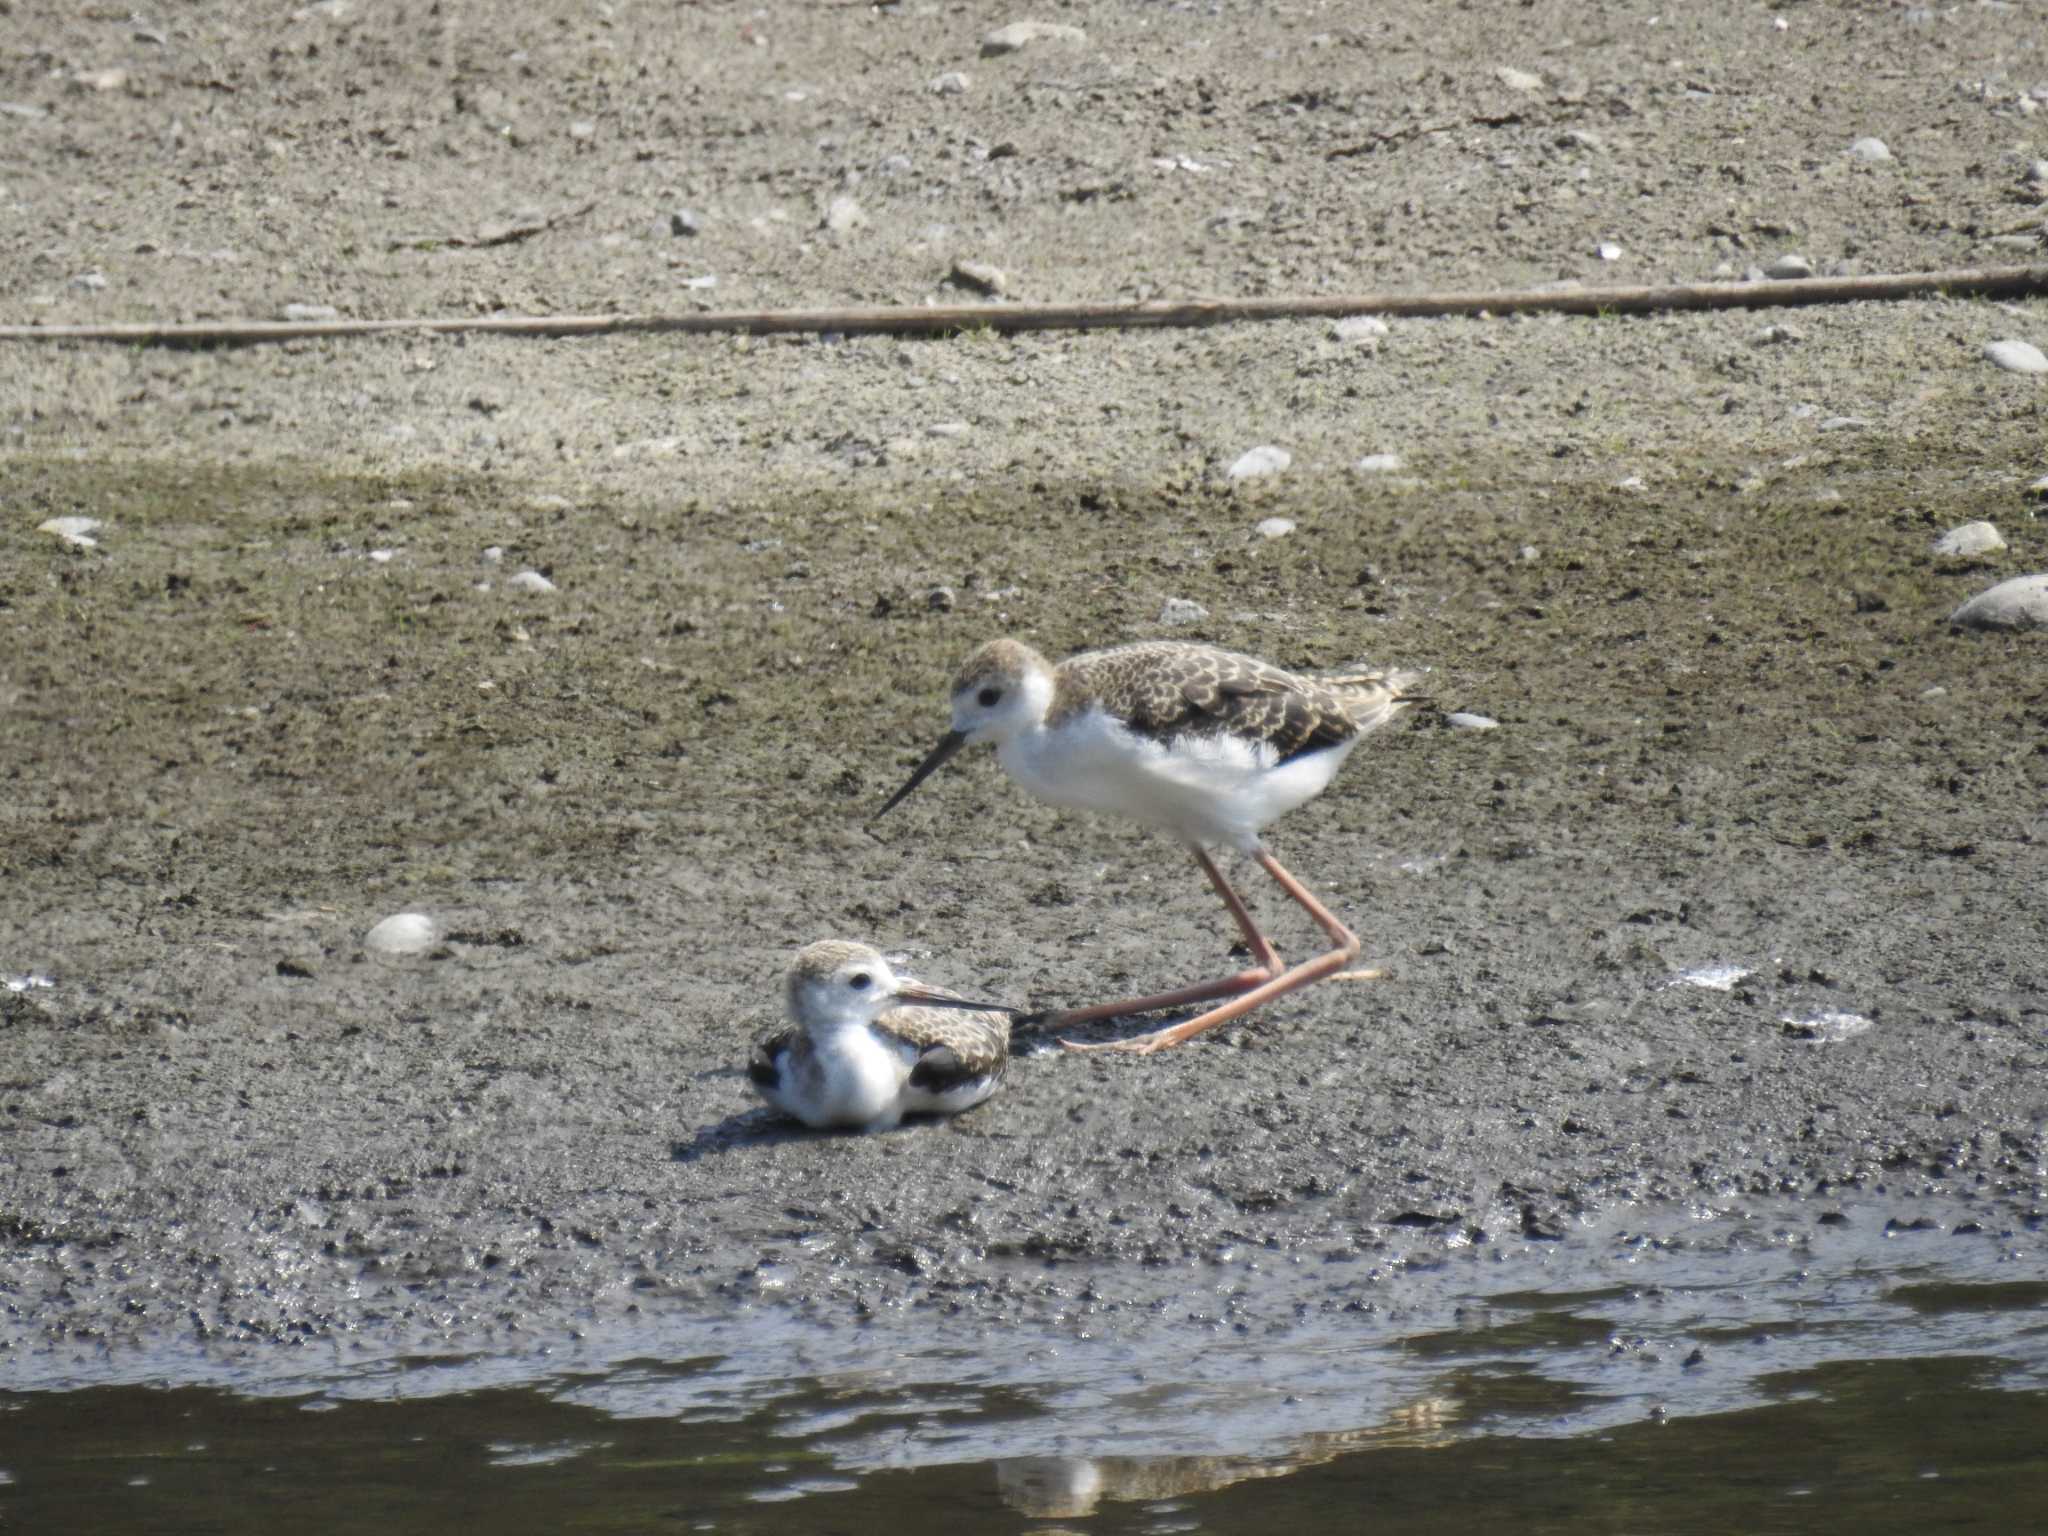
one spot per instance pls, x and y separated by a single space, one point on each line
850 1076
1215 788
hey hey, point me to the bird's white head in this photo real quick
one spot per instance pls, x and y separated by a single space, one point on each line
1003 689
837 984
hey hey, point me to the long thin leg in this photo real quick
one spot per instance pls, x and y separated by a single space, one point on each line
1344 947
1266 964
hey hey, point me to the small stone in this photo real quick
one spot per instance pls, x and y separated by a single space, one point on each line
310 313
102 79
2016 356
493 554
981 277
91 282
1260 461
583 129
1359 329
1777 336
948 429
76 531
1022 34
1379 464
685 222
1871 151
530 581
1607 250
1181 610
1462 720
951 83
2039 489
1518 79
941 600
1969 541
843 215
2021 603
2037 173
1790 265
403 933
1844 424
1275 528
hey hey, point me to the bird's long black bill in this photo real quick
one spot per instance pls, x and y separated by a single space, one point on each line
949 743
925 999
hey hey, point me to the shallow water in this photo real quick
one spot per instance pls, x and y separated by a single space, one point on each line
1719 1376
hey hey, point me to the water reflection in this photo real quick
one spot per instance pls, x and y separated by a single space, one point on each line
1069 1487
1896 1375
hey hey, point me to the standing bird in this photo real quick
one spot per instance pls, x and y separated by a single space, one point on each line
868 1047
1200 742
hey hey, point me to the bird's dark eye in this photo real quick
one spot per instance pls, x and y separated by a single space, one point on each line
989 698
859 981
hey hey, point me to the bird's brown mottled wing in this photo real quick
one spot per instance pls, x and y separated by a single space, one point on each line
762 1068
1168 690
952 1046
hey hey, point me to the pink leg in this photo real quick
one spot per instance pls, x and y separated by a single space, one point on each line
1266 965
1343 950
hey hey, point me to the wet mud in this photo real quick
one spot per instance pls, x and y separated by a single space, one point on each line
1736 913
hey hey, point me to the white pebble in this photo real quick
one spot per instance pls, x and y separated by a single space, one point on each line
1827 1026
383 556
1871 151
1379 464
530 581
2039 489
1968 540
403 933
1275 528
951 83
1607 250
1262 460
1714 978
2017 356
311 312
1022 34
843 215
1518 79
947 429
494 554
1181 610
982 276
1791 264
1359 328
2021 603
1462 720
72 530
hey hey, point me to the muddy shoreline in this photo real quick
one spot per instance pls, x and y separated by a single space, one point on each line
289 691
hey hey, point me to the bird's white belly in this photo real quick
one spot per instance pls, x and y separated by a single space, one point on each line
1206 789
850 1077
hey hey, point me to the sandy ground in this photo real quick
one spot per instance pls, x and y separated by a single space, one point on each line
1685 563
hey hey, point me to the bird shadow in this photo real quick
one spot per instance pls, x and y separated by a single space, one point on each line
761 1126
